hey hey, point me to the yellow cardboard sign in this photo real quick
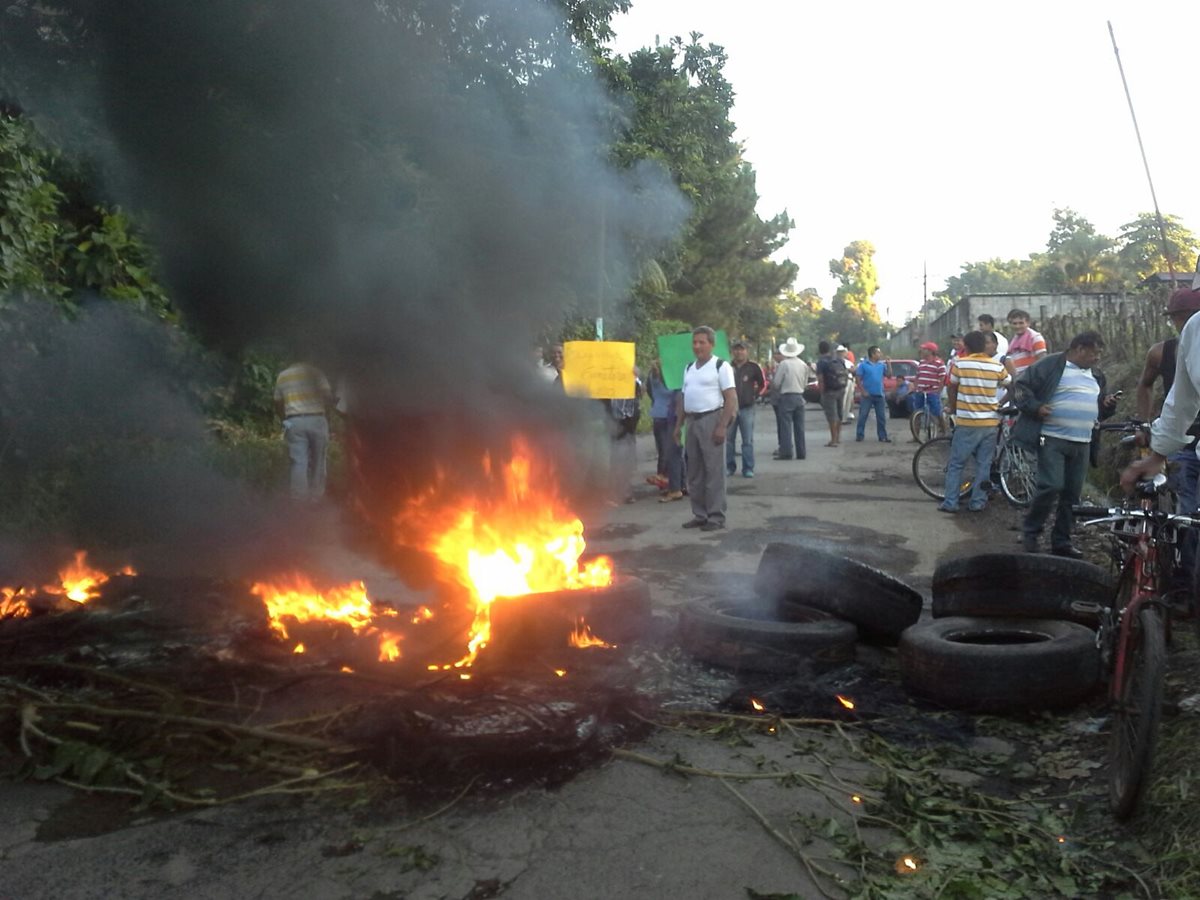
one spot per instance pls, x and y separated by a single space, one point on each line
602 370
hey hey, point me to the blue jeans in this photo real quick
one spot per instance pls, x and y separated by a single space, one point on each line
872 403
978 442
307 442
1062 466
917 400
1183 481
744 423
791 425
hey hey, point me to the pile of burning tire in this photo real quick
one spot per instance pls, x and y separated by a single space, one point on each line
1008 632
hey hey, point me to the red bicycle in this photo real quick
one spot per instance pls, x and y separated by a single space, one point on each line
1132 637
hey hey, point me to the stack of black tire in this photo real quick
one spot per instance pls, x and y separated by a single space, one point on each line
810 609
1009 632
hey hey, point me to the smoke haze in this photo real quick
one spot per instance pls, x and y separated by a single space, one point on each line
372 186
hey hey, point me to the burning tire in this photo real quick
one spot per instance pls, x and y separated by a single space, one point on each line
1022 585
616 613
795 577
992 665
748 638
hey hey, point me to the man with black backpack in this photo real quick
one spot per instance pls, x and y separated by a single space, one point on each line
833 376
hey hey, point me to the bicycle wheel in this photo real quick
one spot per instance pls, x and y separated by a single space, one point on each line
1138 708
1018 474
929 469
916 422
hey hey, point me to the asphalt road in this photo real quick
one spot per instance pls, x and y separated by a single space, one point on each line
619 829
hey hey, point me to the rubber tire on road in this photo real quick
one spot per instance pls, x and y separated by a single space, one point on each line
1020 585
794 576
745 637
996 665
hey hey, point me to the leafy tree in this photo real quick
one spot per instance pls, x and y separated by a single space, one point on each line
1140 247
1077 256
859 281
994 276
800 315
720 271
55 241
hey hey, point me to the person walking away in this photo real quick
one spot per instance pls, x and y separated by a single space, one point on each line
931 376
302 396
662 402
622 449
708 402
833 376
847 402
792 377
870 375
1026 347
1060 398
987 325
749 382
975 381
773 396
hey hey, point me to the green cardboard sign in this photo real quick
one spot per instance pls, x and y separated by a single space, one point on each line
675 351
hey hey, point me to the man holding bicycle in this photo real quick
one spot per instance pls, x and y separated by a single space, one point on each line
1168 433
927 393
1060 397
974 380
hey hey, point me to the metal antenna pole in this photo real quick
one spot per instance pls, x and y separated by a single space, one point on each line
1162 228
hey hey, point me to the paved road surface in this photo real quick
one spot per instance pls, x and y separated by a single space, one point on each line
619 830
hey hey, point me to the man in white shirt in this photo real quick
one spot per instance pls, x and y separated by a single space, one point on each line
987 324
707 403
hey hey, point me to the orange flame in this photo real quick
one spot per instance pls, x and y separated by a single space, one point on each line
583 638
422 614
515 539
561 673
14 603
80 582
845 701
296 598
389 647
758 707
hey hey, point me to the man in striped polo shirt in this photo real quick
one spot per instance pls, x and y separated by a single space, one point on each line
1026 347
974 380
931 377
1060 398
302 394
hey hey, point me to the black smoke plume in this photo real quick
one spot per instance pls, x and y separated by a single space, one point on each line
403 193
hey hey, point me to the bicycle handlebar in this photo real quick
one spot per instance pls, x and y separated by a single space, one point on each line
1099 515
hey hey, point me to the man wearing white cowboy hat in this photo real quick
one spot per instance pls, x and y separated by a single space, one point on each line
791 377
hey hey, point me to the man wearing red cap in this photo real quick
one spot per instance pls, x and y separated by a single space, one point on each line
931 375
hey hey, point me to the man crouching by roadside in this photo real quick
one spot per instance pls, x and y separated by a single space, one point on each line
1060 397
707 404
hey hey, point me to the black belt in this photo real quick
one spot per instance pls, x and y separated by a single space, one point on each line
707 412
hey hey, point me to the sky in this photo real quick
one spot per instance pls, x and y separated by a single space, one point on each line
946 133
